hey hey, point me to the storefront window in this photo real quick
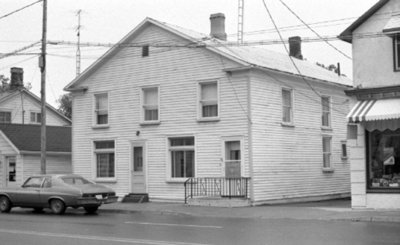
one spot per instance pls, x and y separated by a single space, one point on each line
384 160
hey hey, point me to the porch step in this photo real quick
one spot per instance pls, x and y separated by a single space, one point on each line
136 198
218 202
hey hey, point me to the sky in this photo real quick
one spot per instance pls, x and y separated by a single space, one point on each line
108 21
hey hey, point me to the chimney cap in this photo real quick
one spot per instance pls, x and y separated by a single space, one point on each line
217 15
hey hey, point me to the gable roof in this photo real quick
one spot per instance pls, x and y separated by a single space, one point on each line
253 57
26 137
347 35
8 95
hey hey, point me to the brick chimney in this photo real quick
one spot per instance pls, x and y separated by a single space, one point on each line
17 77
295 47
217 22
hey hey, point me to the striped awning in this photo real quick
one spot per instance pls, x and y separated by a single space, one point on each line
372 110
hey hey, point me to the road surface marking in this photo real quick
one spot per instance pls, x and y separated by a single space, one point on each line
179 225
98 238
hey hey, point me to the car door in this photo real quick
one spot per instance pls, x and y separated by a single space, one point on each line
29 194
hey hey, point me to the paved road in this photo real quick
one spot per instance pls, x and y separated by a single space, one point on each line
25 227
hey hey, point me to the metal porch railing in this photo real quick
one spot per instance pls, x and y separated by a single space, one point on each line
216 187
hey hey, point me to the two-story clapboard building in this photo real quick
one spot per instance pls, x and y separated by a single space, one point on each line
168 107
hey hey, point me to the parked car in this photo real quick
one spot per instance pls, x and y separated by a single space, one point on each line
57 192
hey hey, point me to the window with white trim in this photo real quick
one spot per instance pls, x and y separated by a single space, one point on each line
326 111
5 117
150 107
101 109
182 157
208 100
327 151
105 158
343 144
36 117
287 105
397 52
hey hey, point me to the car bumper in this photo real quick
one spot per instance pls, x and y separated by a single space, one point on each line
96 201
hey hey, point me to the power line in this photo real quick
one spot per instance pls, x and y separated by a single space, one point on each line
15 11
19 50
316 33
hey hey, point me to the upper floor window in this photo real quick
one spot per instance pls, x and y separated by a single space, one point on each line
326 111
36 117
145 50
397 52
5 117
101 111
208 100
150 111
287 105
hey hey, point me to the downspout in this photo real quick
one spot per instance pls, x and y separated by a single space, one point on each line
250 137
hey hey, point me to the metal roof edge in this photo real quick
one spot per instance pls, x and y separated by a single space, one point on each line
347 34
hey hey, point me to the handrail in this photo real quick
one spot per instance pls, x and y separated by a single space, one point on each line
216 187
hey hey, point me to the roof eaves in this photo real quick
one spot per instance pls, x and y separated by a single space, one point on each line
347 35
48 106
9 142
109 53
301 76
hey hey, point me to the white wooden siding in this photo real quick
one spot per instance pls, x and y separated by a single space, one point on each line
287 161
29 105
54 165
177 72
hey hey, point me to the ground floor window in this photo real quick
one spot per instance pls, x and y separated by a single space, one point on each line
182 157
105 159
383 165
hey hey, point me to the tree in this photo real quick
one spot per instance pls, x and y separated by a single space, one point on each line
65 105
4 86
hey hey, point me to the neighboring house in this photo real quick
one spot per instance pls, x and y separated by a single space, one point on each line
20 118
18 105
167 105
20 152
374 129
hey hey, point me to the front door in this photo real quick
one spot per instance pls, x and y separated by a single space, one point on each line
138 169
232 159
11 172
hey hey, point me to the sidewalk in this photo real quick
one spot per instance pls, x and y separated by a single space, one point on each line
335 210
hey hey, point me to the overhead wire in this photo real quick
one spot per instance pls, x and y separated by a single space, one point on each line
16 11
291 58
316 33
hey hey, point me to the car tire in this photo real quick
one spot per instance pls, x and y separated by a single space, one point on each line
57 206
91 209
5 204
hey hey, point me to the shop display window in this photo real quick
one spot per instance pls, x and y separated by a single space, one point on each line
383 170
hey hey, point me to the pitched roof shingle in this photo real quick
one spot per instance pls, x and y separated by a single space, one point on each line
26 137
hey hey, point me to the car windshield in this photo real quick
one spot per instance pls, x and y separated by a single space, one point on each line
75 180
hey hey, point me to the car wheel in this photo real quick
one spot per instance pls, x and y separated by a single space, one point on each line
57 206
91 209
5 204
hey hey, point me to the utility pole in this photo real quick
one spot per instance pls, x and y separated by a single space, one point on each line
42 65
78 50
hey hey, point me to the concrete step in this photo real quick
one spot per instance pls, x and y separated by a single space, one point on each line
136 198
218 202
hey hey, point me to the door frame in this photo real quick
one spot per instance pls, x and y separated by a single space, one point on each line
6 171
223 153
143 144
